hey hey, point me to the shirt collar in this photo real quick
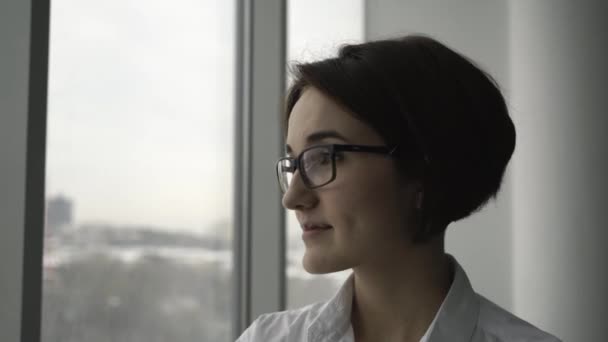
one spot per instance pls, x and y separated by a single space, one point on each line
460 310
455 320
333 319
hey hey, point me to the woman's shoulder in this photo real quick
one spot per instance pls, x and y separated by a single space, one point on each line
497 324
282 325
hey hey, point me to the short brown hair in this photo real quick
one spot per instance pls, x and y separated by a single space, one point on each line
447 116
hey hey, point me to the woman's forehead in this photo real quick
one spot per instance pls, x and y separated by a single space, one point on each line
315 112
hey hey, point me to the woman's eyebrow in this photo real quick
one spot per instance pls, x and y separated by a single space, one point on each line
320 135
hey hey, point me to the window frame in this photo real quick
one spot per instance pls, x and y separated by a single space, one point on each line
260 251
25 33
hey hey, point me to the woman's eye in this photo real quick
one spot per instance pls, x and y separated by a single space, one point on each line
325 158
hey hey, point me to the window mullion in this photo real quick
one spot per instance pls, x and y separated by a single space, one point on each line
260 258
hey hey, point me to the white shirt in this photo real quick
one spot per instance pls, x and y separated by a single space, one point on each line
463 316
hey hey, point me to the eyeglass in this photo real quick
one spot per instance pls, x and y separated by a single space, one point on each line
317 164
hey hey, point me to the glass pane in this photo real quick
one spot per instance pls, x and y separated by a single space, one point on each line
335 22
138 236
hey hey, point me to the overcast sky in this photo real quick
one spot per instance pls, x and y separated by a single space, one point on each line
141 103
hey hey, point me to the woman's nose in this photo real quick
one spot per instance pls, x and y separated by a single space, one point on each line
298 196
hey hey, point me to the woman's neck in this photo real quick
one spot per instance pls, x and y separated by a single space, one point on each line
397 300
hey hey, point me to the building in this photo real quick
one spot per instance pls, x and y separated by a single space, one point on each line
59 213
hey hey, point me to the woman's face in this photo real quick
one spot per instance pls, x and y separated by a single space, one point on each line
367 205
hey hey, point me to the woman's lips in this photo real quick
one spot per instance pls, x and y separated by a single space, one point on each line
308 227
311 230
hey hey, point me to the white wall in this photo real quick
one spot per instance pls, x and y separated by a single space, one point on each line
559 83
14 66
483 242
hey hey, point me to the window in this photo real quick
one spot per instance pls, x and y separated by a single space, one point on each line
139 180
316 29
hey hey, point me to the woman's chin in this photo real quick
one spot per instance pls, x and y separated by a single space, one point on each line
316 264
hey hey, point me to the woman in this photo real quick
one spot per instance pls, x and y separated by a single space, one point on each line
387 144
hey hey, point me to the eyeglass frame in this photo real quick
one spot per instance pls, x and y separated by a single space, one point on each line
297 161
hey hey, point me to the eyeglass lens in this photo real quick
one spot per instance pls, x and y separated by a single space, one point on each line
316 168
